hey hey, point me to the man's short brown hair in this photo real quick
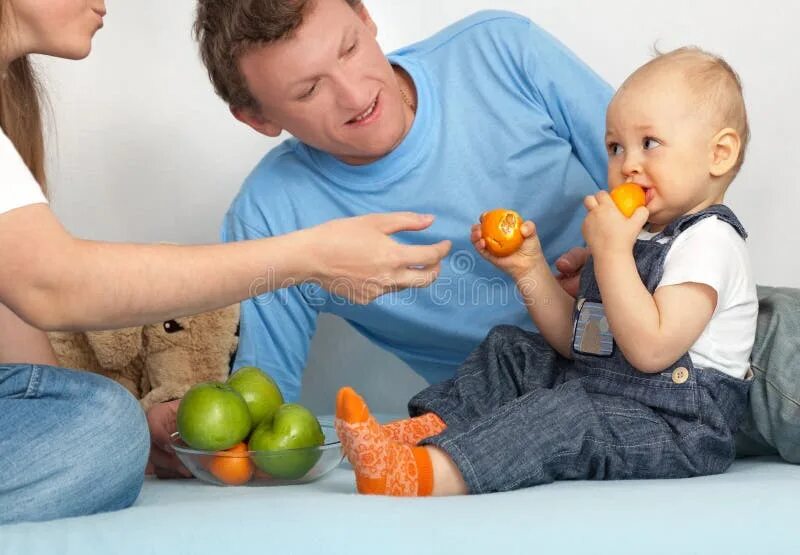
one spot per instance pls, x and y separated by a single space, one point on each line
228 29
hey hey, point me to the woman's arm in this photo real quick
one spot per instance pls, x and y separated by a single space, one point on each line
55 281
22 343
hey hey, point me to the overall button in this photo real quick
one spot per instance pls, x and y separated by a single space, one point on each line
680 375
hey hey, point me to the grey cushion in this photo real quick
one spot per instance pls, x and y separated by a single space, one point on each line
772 424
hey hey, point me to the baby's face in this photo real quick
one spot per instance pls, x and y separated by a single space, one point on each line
658 136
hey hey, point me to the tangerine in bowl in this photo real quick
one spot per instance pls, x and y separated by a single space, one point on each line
242 466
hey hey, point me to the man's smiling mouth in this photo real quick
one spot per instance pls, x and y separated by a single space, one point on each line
366 113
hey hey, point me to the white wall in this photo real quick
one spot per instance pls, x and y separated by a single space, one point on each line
144 151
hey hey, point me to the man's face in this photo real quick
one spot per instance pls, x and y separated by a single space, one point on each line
329 85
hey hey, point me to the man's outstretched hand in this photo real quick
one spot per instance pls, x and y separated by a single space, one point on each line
569 266
162 421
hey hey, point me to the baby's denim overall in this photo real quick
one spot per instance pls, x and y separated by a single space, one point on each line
518 414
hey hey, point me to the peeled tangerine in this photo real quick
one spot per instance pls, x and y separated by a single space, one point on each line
628 197
501 231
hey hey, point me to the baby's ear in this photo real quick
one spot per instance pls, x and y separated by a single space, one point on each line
725 148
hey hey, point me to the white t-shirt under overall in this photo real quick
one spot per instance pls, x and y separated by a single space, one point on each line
17 186
713 253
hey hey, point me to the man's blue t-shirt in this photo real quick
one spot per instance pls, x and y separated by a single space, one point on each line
506 117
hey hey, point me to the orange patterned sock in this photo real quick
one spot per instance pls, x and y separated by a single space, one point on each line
383 466
413 430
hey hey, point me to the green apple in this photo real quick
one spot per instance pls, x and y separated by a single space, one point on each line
259 390
212 416
292 427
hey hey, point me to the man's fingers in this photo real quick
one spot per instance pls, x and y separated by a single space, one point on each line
570 264
573 260
159 456
161 419
170 474
565 266
570 284
393 222
166 463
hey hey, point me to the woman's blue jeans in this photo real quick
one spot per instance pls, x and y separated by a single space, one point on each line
71 443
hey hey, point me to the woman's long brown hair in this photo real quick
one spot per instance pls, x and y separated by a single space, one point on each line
20 108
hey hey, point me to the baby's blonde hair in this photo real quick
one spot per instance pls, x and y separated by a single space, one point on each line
715 83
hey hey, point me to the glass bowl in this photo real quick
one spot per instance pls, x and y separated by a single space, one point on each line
262 468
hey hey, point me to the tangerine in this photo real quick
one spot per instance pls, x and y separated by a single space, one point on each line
232 466
501 231
628 197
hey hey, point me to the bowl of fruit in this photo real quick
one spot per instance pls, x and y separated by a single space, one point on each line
242 433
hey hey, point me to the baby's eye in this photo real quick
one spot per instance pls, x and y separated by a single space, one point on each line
650 143
614 149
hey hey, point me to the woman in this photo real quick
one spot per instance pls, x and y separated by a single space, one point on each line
75 443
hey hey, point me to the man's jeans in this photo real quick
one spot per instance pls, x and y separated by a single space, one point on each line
772 424
71 443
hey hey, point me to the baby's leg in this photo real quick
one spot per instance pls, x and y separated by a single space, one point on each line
509 363
413 430
387 467
566 433
382 466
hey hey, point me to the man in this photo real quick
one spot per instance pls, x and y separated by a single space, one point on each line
490 112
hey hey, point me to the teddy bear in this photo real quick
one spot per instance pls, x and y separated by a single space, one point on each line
157 362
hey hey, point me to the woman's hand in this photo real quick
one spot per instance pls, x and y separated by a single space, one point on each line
355 258
520 263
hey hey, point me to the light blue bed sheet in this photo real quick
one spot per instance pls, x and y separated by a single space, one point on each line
754 508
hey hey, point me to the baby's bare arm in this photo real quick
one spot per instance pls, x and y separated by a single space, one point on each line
652 331
549 305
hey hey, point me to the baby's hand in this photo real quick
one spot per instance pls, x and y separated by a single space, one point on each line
518 264
606 229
